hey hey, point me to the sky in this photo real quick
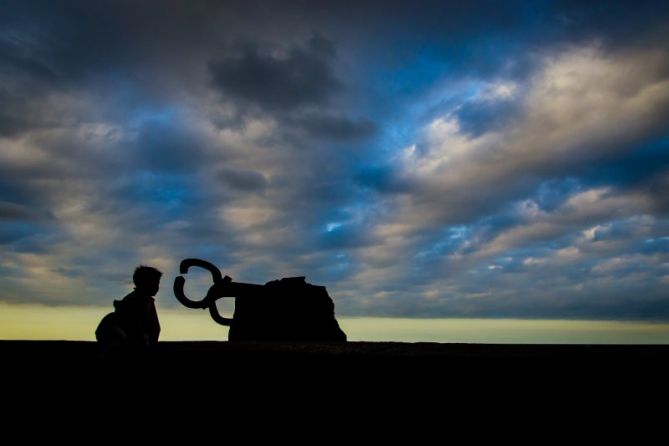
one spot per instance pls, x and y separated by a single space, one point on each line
446 159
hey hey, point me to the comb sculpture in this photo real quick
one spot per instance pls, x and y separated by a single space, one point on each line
289 309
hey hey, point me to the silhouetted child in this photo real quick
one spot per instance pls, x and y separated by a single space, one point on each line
132 330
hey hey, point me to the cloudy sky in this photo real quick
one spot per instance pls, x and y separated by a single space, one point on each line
420 159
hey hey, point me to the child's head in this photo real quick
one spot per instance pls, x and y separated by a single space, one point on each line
147 279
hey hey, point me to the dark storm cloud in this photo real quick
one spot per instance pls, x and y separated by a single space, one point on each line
77 39
15 116
657 188
618 23
334 127
64 43
15 211
244 180
644 167
302 77
296 85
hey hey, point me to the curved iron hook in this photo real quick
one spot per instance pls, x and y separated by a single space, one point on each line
185 264
216 316
180 281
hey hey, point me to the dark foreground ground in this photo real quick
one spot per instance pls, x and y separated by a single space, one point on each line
499 391
370 364
222 378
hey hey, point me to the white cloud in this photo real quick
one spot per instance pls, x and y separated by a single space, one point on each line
583 104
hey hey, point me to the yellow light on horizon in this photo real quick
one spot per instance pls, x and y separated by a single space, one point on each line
76 323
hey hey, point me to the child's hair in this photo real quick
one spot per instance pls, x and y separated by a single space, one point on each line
145 276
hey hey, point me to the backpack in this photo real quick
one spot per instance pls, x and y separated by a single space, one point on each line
110 331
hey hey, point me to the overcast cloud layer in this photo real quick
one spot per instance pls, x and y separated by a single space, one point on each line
498 159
